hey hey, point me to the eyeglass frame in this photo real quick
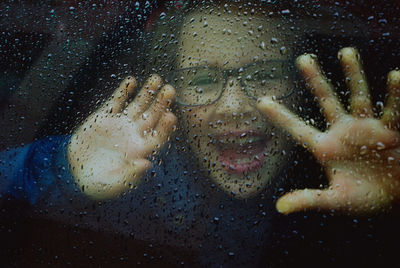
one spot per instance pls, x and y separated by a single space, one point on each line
226 74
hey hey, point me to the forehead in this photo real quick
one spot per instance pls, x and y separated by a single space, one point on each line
230 40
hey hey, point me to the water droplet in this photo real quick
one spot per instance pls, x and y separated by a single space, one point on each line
363 150
380 145
274 40
162 15
379 105
282 50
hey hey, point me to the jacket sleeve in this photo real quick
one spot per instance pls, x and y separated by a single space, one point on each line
38 171
40 174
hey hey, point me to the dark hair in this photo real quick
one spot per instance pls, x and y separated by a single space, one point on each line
164 26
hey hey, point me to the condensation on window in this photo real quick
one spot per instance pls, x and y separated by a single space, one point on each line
199 133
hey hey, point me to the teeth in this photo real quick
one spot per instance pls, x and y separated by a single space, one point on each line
241 141
247 141
244 160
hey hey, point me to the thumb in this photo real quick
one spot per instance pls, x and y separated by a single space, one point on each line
118 181
132 177
307 199
139 167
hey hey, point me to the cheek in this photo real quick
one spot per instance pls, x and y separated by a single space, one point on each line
195 120
195 128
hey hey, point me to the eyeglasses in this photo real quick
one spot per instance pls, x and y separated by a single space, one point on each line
197 86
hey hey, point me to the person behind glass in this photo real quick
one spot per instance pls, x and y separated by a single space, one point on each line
227 92
224 96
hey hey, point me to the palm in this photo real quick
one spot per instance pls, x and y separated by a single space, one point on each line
361 166
117 133
108 152
360 154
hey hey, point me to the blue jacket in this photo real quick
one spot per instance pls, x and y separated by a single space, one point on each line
173 205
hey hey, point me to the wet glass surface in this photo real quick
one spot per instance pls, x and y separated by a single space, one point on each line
199 133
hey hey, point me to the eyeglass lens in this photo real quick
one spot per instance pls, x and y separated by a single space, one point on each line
204 85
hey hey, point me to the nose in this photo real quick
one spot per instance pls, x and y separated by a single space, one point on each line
234 101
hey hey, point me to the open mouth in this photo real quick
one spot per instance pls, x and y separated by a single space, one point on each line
241 151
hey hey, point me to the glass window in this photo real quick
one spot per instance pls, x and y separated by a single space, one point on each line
199 133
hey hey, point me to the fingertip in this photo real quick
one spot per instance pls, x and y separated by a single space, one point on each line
142 163
299 200
168 92
305 59
348 50
348 53
130 79
308 66
394 77
283 207
154 81
140 166
130 83
265 103
170 119
264 100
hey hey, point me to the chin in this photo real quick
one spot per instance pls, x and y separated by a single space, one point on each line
238 191
241 163
241 186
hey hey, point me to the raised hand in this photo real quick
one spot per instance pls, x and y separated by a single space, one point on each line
108 152
360 152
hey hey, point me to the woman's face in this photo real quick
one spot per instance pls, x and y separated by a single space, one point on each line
241 151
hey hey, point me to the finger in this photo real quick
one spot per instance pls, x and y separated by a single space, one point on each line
139 167
307 199
345 195
163 130
118 180
360 100
131 178
320 87
391 112
121 95
150 117
281 116
145 96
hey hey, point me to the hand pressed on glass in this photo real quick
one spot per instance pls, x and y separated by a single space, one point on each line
108 151
360 153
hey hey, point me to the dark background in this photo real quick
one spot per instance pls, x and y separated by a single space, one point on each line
304 239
